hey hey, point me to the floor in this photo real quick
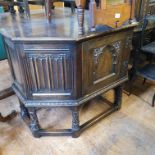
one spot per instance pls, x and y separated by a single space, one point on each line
129 131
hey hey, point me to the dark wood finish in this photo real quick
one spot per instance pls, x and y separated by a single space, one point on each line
21 4
6 93
80 15
29 115
53 66
133 8
9 117
92 7
48 6
27 9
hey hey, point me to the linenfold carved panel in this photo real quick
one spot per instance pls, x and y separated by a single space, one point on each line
50 71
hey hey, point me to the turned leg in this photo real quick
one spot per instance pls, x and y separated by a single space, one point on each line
72 3
11 9
75 122
48 5
24 112
80 15
34 123
27 9
92 7
20 9
118 96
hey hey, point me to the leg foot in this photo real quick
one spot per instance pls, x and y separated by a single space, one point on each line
80 16
36 134
24 112
34 123
75 122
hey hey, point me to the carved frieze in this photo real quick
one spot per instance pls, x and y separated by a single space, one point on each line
75 120
124 68
117 46
128 42
97 53
99 58
114 48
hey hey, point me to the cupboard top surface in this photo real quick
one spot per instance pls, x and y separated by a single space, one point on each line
63 26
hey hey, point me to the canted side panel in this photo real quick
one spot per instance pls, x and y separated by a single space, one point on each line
14 63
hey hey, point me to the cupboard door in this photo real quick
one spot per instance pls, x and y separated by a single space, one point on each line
102 61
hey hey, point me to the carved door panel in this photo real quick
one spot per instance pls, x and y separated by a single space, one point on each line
101 62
